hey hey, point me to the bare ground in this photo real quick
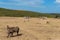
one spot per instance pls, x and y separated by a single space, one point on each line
32 29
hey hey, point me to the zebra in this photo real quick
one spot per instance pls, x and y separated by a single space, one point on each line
11 30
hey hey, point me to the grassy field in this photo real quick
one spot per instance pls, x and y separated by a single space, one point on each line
32 29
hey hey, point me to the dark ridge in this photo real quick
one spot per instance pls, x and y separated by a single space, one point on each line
22 13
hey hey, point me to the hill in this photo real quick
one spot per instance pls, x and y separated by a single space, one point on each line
21 13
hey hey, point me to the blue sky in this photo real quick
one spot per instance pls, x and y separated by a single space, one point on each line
44 6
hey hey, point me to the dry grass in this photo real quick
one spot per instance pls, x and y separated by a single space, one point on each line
34 29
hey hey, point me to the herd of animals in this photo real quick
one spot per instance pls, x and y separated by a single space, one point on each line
12 30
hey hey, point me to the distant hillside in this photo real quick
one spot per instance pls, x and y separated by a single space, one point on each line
21 13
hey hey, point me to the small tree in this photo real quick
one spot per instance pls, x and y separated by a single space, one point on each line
56 16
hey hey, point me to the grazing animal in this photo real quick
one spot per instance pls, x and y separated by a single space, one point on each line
26 18
12 30
47 22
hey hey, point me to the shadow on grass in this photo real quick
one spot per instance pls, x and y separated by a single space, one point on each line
17 35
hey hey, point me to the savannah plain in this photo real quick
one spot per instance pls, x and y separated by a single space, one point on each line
31 29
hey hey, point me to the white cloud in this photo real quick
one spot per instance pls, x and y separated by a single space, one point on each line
57 1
